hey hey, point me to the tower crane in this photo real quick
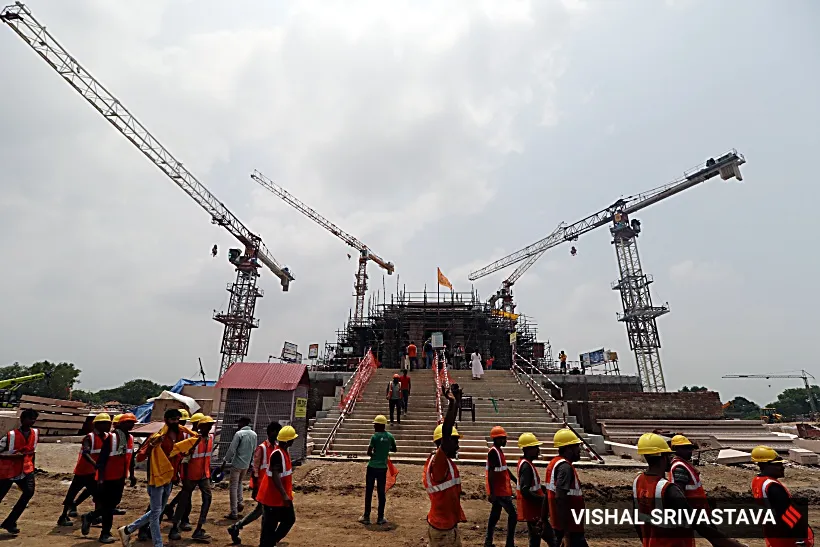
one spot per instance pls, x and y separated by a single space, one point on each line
803 374
639 313
365 254
239 319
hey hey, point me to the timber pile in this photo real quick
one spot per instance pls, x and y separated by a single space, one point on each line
57 416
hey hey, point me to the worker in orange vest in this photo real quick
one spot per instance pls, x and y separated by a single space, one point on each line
791 528
115 461
499 491
684 474
172 505
17 449
197 475
651 490
530 491
85 471
276 491
442 481
261 457
564 494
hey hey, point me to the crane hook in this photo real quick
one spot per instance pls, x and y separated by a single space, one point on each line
573 251
214 251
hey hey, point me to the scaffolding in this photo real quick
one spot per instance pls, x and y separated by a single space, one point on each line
462 317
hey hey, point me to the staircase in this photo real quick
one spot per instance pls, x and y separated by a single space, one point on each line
517 412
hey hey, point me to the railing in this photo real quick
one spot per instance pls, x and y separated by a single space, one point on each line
439 392
347 402
534 369
539 394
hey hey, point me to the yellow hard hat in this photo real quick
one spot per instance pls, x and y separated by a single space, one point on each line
565 437
437 433
102 417
652 444
765 454
380 419
527 440
184 414
286 434
680 440
204 420
116 419
196 417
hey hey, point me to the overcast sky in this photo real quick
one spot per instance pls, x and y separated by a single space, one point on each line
441 134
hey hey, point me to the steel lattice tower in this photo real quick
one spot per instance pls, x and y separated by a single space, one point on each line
239 320
639 314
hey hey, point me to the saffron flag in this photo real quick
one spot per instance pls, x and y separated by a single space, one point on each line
392 471
442 280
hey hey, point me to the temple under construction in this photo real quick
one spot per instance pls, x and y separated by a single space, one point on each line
462 318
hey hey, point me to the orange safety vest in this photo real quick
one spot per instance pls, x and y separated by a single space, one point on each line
528 511
200 465
574 495
445 497
694 492
501 479
83 467
760 487
16 443
647 494
268 493
265 447
119 458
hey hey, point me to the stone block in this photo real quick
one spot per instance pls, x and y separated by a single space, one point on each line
803 456
621 449
808 444
329 403
597 442
729 456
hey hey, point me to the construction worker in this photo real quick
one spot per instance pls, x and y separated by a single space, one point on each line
442 481
404 380
114 463
85 470
163 450
393 395
651 490
412 354
170 509
530 491
197 475
381 445
564 491
17 451
276 491
684 474
261 456
768 490
499 492
562 357
239 457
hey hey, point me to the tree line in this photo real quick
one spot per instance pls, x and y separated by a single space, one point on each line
792 403
62 377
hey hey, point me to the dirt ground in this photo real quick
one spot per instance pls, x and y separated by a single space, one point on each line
329 498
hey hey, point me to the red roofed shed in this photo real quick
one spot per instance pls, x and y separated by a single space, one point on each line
265 392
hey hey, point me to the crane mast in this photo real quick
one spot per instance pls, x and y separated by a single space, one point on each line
639 313
803 375
365 254
239 320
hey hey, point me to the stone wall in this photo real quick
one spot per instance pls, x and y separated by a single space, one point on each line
703 405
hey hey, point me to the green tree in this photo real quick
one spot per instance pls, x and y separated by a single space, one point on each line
693 389
61 378
794 402
743 408
132 392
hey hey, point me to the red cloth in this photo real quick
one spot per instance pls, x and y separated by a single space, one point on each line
405 382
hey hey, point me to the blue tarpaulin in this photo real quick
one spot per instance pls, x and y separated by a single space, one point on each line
143 412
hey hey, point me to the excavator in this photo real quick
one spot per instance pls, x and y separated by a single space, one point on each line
9 397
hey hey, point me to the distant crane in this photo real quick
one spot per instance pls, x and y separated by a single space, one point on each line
639 313
239 319
803 374
365 254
